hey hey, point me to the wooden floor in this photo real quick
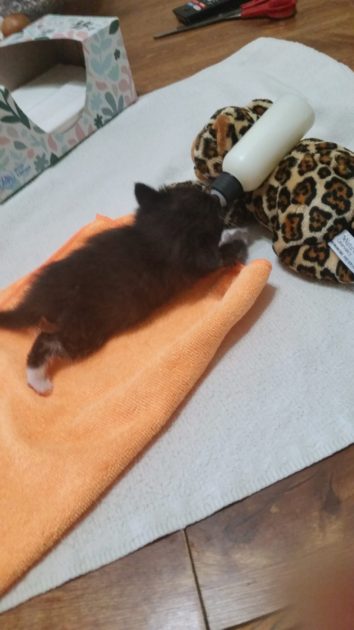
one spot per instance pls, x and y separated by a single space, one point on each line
227 571
224 571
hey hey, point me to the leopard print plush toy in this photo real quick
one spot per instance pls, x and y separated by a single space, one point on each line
305 202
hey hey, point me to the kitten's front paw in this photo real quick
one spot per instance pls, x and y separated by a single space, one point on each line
37 379
232 252
234 234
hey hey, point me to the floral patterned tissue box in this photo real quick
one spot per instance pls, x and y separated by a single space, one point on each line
26 150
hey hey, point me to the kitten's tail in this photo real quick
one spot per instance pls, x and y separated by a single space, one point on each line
17 318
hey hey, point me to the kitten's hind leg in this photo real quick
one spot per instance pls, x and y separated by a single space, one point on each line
45 348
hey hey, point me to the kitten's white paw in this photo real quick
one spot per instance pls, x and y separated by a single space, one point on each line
37 379
234 234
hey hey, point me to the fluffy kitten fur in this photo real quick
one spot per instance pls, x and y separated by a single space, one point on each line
120 276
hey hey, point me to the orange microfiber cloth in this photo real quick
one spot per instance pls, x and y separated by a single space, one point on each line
59 454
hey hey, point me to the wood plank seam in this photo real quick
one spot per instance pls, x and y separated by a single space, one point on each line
196 581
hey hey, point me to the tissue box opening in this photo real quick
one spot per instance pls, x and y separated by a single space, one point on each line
55 98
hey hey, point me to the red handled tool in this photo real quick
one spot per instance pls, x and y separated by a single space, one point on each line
273 9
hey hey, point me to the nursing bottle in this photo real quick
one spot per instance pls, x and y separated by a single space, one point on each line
257 153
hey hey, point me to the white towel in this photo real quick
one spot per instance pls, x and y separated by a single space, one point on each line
276 399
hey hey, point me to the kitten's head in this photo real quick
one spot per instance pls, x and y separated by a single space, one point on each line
184 222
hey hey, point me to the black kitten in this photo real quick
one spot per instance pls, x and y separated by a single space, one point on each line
120 276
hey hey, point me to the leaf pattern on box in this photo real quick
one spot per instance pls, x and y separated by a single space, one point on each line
10 112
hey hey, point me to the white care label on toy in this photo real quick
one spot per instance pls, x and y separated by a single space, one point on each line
343 246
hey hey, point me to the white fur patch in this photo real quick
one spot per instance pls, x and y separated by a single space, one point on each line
37 379
234 234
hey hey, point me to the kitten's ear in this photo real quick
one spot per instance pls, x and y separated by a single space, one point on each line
145 195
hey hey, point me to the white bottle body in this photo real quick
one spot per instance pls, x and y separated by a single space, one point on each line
262 147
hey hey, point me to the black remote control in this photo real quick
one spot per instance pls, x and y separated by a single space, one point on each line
198 10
